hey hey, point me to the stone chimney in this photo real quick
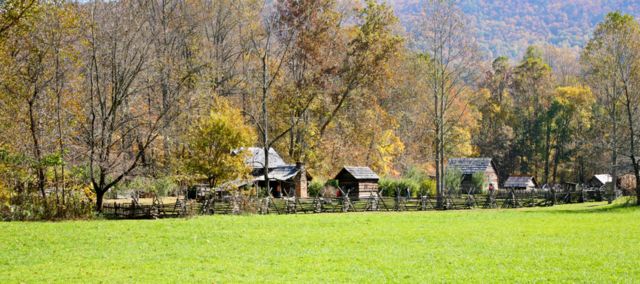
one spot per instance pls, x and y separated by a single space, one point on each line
301 181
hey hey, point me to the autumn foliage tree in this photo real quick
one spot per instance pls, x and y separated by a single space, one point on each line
135 82
214 142
612 59
451 53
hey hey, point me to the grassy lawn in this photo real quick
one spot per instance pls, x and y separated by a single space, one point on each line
571 243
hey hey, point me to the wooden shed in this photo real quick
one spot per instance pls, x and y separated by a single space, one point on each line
359 182
470 166
521 183
600 180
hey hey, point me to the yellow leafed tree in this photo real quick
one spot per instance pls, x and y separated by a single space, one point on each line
211 142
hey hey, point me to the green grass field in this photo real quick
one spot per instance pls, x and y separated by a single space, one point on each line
572 243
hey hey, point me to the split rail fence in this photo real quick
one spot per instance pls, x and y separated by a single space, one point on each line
319 204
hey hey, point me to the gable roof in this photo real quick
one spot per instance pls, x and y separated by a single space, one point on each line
360 173
471 165
603 178
520 181
282 173
255 158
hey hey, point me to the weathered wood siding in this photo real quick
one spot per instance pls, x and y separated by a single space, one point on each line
358 187
366 188
491 178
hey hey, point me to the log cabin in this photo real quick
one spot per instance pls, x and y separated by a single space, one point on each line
358 182
285 180
470 166
521 183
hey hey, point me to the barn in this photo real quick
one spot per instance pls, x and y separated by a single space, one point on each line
521 183
359 182
470 166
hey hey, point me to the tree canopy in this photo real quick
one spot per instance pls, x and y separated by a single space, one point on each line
94 95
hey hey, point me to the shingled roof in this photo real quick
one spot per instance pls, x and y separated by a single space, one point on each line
470 166
603 178
255 158
360 172
282 173
520 182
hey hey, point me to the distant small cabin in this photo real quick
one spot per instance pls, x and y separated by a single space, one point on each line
521 183
470 166
600 180
359 182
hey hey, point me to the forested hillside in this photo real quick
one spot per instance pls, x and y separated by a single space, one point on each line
507 27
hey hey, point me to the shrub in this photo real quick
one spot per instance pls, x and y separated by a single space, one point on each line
416 174
315 187
118 189
391 187
332 182
627 183
163 186
453 179
160 186
428 186
408 184
479 180
141 184
28 205
384 186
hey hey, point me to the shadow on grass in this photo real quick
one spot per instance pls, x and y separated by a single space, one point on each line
627 205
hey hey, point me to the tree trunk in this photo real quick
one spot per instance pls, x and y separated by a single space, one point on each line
442 161
37 153
292 137
556 161
547 151
614 154
632 142
99 199
265 122
636 170
443 95
637 191
439 177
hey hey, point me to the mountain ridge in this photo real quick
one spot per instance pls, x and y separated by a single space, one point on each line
508 27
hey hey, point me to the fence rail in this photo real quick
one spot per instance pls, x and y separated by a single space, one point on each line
292 205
